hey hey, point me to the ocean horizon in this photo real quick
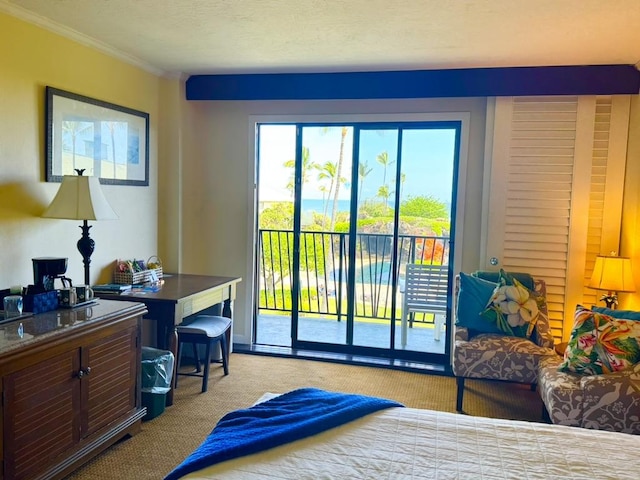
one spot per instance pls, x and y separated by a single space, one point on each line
317 205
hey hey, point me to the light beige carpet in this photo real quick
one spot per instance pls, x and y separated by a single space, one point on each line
166 440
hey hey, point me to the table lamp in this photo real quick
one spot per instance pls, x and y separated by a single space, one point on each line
81 198
612 273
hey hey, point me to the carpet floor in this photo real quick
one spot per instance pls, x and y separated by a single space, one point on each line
167 439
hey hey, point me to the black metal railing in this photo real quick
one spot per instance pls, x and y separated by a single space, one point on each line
324 270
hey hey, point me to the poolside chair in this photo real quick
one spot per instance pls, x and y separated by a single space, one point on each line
425 291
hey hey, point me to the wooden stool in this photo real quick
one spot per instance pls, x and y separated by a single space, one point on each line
204 330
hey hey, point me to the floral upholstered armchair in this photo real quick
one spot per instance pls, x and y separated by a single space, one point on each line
482 350
595 385
603 402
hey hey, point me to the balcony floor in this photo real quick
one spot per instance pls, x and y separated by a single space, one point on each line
275 330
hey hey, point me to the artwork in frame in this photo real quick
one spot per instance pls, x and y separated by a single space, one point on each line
106 140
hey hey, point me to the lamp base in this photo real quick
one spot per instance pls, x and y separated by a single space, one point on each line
86 246
610 299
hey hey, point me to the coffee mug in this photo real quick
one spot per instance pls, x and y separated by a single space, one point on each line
12 306
84 293
68 297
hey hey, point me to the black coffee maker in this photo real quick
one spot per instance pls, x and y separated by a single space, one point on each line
46 270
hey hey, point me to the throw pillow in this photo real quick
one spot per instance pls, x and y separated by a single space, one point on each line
513 308
496 277
625 314
601 344
473 297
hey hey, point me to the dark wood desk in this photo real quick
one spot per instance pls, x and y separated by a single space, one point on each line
182 295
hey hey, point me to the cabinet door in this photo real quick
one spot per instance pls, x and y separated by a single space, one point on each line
41 414
109 390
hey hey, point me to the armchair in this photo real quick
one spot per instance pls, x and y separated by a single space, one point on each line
497 356
608 401
597 382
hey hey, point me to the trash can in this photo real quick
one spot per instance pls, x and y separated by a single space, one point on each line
157 371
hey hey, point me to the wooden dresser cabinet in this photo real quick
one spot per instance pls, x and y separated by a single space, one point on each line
70 387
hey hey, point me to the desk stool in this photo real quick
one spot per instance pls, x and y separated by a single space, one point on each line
205 330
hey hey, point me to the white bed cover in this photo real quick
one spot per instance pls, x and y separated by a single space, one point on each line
407 443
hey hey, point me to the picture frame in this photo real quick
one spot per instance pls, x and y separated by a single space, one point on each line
108 141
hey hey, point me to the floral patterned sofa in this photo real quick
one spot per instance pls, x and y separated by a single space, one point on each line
596 384
498 356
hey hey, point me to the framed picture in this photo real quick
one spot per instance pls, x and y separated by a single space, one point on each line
106 140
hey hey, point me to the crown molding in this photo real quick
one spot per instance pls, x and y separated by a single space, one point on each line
43 22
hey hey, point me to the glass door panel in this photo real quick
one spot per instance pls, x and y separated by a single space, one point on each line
374 252
325 192
424 227
274 282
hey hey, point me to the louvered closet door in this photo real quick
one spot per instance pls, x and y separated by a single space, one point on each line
554 170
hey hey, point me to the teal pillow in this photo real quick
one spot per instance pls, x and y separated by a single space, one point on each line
623 314
473 298
497 277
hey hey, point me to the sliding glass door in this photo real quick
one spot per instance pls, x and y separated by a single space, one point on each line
351 206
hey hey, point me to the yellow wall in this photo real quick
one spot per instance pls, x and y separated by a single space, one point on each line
30 59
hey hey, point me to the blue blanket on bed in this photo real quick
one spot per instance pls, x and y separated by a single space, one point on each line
286 418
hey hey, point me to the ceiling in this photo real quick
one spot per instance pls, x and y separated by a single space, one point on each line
172 37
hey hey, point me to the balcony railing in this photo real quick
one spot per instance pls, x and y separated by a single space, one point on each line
324 271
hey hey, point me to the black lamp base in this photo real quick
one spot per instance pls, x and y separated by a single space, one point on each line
610 299
86 246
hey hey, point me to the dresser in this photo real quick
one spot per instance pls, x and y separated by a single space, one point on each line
70 387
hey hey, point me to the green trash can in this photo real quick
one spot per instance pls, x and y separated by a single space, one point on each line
156 371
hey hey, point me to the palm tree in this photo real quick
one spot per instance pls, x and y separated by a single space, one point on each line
113 127
363 171
307 166
403 178
336 193
325 195
72 130
384 193
327 172
383 159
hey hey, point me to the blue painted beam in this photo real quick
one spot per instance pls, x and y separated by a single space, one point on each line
471 82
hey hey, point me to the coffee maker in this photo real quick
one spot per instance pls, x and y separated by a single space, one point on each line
46 270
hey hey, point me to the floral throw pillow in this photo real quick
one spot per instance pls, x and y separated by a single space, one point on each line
601 344
514 309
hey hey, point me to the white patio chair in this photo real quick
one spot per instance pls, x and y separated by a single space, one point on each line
425 291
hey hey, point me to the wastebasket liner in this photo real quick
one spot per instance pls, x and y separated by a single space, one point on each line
157 370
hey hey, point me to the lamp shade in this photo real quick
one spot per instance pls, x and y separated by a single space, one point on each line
612 274
80 198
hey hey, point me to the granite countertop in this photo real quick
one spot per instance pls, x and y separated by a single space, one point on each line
26 330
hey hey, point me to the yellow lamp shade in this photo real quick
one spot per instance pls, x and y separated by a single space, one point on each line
613 274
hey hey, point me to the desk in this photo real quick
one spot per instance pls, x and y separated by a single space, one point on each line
182 295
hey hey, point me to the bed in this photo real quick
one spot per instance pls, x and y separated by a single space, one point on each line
406 443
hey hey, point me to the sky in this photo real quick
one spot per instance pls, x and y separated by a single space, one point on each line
427 160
